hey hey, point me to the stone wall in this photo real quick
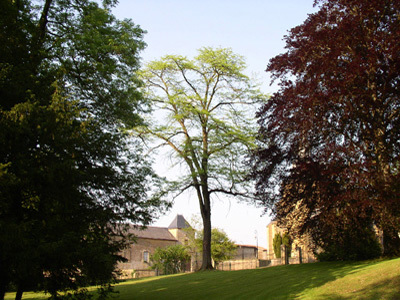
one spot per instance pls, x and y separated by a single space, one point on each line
180 235
135 254
244 264
131 273
306 253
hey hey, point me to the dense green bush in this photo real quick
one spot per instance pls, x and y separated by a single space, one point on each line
352 245
282 240
277 242
170 260
287 241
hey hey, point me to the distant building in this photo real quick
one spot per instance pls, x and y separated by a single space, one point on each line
147 241
299 252
150 238
246 257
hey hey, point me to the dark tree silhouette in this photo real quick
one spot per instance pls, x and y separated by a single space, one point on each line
68 174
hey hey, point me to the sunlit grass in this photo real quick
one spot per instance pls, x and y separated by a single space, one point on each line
332 281
338 280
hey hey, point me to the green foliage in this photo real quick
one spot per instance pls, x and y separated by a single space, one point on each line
69 176
208 123
170 260
222 248
280 240
277 242
352 245
287 241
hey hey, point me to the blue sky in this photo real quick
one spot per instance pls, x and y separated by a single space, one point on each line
252 28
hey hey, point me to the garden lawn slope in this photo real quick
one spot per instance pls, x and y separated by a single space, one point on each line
333 281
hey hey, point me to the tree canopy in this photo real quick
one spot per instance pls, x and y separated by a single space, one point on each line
69 176
328 156
205 123
222 247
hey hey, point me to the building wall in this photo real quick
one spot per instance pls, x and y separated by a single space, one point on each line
180 235
245 252
263 254
136 266
272 229
306 253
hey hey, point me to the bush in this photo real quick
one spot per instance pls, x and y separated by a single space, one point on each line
282 240
287 241
360 245
170 260
277 242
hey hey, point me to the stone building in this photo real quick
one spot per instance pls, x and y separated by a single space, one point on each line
246 252
150 238
299 252
147 241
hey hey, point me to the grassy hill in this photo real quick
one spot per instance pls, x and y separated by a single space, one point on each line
333 281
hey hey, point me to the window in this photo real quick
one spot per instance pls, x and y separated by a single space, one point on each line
146 256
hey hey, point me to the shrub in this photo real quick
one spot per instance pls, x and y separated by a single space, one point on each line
352 245
287 241
171 259
277 242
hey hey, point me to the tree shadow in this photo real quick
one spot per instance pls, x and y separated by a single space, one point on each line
300 278
281 282
388 289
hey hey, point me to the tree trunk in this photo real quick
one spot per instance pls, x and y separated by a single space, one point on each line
391 242
205 209
207 263
19 293
3 281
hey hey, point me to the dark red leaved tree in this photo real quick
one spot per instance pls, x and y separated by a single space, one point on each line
329 139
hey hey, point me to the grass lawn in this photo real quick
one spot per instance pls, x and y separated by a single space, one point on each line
332 281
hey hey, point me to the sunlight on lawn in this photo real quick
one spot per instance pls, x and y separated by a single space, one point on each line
368 280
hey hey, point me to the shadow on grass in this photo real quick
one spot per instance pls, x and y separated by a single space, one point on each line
384 289
282 282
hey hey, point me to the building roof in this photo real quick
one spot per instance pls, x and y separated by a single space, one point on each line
251 246
247 246
154 233
178 223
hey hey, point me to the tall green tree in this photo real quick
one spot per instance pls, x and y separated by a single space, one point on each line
328 160
205 123
69 176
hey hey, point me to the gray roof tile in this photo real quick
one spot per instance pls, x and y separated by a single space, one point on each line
155 233
178 223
